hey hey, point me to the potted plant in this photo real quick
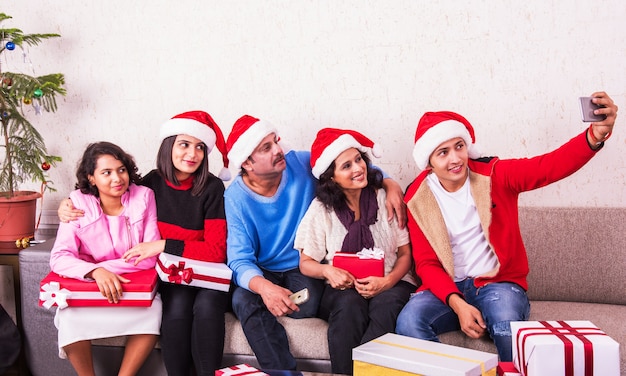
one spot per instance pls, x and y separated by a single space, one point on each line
25 157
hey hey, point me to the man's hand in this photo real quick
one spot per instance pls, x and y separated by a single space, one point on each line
470 318
275 298
395 201
602 129
67 212
109 284
143 251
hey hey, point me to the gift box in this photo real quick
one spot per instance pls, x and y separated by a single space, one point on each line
366 263
240 369
569 348
64 292
507 369
184 271
393 354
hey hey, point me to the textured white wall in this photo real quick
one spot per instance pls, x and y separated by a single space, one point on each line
514 69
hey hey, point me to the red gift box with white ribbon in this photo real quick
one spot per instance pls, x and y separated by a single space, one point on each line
184 271
568 348
366 263
239 370
56 290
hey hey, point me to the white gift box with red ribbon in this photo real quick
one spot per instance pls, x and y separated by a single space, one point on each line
184 271
568 348
240 370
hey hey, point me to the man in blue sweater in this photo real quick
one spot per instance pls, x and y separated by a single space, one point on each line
264 206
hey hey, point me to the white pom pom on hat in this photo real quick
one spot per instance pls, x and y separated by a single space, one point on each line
435 128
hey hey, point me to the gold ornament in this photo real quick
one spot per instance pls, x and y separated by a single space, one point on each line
22 243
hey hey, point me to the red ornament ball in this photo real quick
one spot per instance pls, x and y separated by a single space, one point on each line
45 166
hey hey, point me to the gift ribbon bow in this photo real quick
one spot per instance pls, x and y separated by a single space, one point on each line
371 253
178 273
53 294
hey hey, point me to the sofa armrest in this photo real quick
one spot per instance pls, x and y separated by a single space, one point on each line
40 334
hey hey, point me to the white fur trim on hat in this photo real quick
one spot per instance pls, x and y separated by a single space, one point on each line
332 151
248 141
435 136
191 127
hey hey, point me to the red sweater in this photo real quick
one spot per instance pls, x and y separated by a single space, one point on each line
192 226
495 186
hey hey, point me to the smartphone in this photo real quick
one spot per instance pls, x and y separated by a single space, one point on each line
300 297
587 107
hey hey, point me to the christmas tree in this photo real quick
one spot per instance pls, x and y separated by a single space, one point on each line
25 156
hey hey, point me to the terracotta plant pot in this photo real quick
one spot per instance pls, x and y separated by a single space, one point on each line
17 216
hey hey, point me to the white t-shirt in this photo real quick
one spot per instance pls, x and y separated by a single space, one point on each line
471 251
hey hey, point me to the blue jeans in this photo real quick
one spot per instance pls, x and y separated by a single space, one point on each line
265 334
425 316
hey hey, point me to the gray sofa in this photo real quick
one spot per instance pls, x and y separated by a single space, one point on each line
578 272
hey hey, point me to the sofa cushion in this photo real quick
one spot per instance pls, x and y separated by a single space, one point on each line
307 337
575 254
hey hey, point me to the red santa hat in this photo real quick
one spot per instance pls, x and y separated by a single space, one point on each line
435 128
330 142
200 125
245 136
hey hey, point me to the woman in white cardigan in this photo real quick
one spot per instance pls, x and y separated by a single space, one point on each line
349 215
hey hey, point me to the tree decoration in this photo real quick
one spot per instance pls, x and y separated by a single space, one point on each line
24 147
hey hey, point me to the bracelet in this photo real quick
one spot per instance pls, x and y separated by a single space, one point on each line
594 139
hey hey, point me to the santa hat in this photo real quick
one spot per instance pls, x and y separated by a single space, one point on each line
435 128
200 125
245 136
330 142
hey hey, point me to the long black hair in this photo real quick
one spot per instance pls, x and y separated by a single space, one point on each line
332 196
87 165
166 168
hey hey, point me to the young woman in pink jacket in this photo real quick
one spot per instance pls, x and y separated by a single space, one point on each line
118 215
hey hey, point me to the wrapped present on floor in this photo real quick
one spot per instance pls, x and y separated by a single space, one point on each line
507 369
366 263
184 271
569 348
240 369
64 292
395 355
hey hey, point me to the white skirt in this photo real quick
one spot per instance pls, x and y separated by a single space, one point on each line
87 323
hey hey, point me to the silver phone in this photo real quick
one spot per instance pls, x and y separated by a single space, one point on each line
586 109
300 297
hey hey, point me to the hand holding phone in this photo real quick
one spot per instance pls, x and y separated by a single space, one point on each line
300 297
587 107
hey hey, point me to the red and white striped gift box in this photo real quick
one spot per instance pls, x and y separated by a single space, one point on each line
63 292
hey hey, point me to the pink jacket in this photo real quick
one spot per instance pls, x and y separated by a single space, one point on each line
89 243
